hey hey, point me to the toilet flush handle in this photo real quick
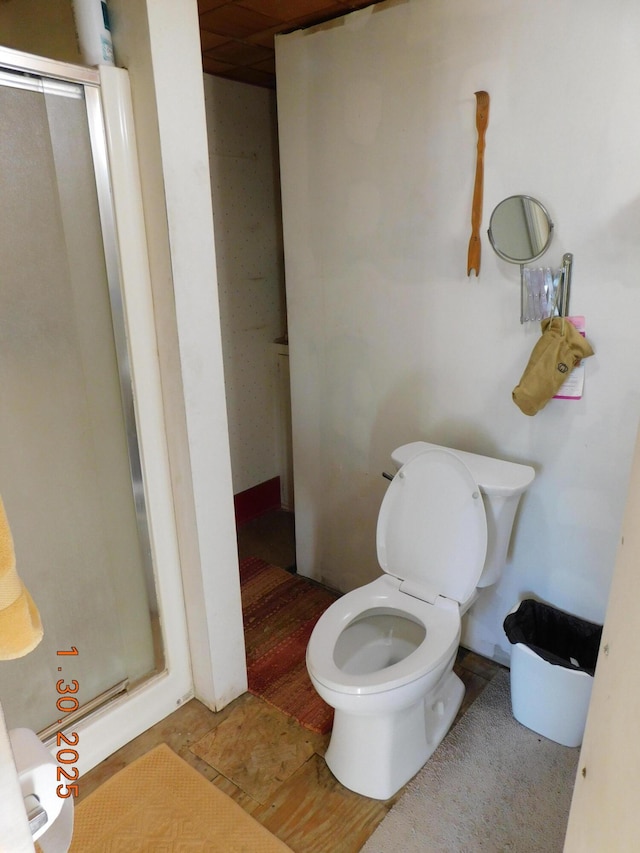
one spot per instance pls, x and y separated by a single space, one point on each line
387 476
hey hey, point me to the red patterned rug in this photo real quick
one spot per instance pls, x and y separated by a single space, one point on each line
279 611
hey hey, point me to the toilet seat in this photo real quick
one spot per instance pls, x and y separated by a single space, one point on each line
432 527
441 624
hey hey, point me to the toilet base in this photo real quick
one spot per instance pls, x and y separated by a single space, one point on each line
376 754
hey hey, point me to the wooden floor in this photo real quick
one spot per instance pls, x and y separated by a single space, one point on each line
266 761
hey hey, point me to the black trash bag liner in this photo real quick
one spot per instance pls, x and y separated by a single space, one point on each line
557 637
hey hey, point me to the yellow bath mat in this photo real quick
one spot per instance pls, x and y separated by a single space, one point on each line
159 804
20 625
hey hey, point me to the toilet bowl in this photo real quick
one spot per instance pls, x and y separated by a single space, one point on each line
382 655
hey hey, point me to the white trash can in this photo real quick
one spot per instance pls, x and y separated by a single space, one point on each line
553 661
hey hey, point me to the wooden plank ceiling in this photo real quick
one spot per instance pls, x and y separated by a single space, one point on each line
237 36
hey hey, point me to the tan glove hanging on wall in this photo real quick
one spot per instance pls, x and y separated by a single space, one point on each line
558 351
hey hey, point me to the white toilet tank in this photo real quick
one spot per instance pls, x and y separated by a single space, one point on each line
501 484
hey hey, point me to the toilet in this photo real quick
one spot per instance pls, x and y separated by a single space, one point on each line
382 655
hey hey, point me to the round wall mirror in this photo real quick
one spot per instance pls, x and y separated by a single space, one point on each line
520 229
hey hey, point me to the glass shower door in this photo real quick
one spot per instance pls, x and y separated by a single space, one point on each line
69 466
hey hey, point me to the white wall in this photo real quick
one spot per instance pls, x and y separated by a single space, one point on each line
245 188
604 807
390 341
160 44
43 27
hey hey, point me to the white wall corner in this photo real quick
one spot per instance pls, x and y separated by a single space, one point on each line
210 568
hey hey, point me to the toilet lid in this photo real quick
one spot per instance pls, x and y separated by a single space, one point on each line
432 527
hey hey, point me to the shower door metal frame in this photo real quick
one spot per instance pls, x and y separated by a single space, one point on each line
113 725
89 79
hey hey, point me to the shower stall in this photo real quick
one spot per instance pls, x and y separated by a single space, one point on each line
83 469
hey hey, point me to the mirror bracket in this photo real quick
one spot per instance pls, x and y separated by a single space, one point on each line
565 283
522 295
564 287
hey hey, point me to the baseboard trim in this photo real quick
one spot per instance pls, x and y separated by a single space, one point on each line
257 500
